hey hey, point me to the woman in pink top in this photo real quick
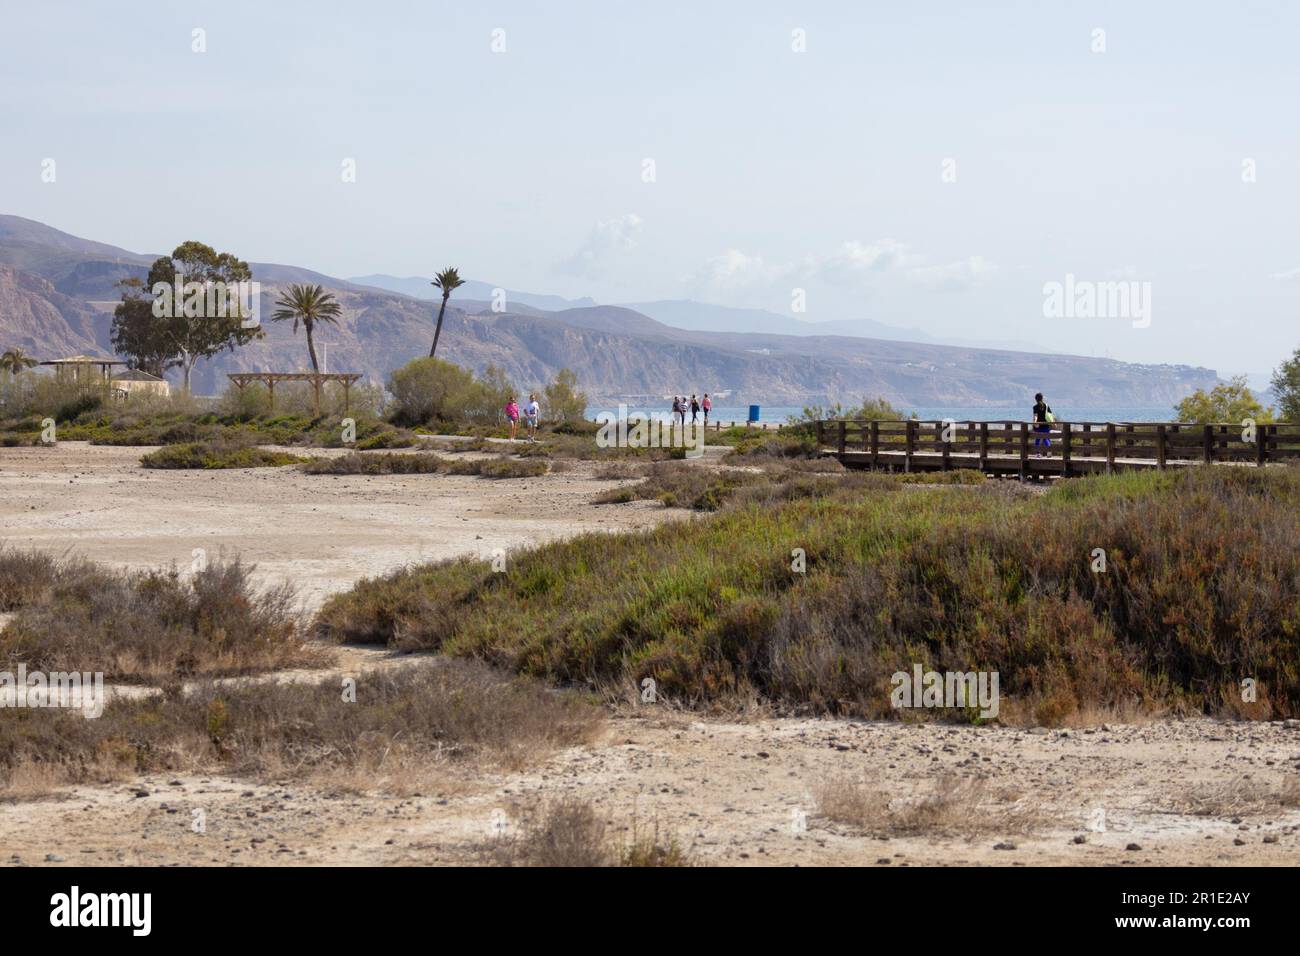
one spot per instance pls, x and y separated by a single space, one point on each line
512 415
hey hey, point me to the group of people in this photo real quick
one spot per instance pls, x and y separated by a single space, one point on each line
682 405
532 411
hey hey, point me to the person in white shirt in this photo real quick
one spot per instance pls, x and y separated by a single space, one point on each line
531 411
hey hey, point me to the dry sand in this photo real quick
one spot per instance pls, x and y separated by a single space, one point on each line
322 532
730 791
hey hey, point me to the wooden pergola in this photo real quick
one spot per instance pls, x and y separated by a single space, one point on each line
317 380
81 369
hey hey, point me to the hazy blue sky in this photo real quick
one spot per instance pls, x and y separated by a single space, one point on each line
774 169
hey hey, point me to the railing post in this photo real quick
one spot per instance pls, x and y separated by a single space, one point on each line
1110 447
1065 449
911 444
1024 449
844 426
1162 440
875 443
1261 444
984 446
821 437
939 429
1207 445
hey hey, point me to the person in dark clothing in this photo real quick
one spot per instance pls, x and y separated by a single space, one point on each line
1043 418
695 409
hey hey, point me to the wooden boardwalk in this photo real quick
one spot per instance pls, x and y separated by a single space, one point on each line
1010 448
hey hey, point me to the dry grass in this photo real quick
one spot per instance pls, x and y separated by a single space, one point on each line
1235 797
964 806
398 725
75 615
569 832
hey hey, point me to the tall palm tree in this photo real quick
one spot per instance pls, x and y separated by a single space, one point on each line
448 280
13 362
309 304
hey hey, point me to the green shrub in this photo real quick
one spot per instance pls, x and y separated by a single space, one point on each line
428 390
87 401
217 454
1201 588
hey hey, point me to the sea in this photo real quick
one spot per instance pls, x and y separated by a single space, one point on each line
769 414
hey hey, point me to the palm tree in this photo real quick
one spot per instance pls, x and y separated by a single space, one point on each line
309 304
15 361
448 281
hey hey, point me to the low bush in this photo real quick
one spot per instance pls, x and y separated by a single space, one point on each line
75 615
401 722
422 463
217 454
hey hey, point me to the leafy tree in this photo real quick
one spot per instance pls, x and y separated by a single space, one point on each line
310 305
144 338
448 280
1228 402
176 330
562 402
1285 384
428 390
497 389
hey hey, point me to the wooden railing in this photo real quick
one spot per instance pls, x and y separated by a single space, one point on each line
1075 447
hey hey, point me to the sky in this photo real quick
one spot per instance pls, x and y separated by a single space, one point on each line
928 165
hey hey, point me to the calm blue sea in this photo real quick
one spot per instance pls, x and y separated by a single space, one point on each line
779 413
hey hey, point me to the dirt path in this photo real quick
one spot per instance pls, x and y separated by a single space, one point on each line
731 793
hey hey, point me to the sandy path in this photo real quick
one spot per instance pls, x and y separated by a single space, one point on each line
729 792
321 532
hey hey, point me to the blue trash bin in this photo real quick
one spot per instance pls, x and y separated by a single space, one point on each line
753 414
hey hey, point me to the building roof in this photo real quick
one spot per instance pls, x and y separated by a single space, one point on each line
83 360
135 375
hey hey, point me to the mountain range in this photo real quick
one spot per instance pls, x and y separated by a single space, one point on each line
57 293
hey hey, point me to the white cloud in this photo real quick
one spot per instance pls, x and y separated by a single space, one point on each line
854 263
733 269
955 276
1289 275
608 238
856 259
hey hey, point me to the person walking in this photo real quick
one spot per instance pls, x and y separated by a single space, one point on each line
532 411
1043 419
695 409
707 406
512 415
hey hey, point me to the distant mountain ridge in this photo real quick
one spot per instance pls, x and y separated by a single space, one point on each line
57 292
422 288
